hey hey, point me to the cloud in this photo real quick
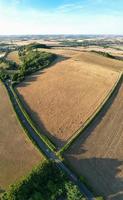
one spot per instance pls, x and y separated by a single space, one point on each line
68 18
66 8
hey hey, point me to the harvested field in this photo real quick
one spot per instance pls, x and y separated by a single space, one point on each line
17 154
41 41
78 54
61 98
14 57
98 153
111 49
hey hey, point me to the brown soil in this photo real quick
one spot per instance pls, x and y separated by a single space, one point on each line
98 153
14 57
62 97
17 154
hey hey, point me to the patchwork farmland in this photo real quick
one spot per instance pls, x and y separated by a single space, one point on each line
98 153
61 98
17 154
85 54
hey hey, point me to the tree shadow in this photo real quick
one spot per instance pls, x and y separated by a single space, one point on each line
102 174
119 58
33 77
96 121
40 125
34 116
1 190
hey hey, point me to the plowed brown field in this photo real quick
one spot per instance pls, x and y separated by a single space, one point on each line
61 98
17 153
98 153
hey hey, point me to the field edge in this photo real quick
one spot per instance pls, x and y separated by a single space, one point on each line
92 117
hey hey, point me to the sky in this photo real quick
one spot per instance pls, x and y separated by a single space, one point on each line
61 17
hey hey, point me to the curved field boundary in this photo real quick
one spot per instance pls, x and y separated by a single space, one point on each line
48 153
20 122
43 137
92 117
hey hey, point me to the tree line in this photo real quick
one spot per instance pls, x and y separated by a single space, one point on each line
46 182
31 61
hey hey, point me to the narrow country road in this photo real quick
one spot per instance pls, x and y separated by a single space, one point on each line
45 149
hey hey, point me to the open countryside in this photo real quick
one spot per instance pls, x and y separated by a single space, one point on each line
61 100
98 154
57 98
56 91
16 157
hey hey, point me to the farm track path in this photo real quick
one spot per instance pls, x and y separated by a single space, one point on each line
45 149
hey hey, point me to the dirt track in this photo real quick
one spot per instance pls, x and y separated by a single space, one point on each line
63 96
98 152
17 154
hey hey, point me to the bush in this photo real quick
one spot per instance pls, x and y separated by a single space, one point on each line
33 61
4 74
106 54
45 182
18 77
73 192
36 45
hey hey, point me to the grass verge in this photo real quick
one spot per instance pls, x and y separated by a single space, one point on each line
21 124
92 117
43 137
82 179
44 182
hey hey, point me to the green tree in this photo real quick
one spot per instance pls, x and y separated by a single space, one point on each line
72 192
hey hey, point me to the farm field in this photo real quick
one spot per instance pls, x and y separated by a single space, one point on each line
61 98
98 153
17 154
84 54
111 50
14 57
27 42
